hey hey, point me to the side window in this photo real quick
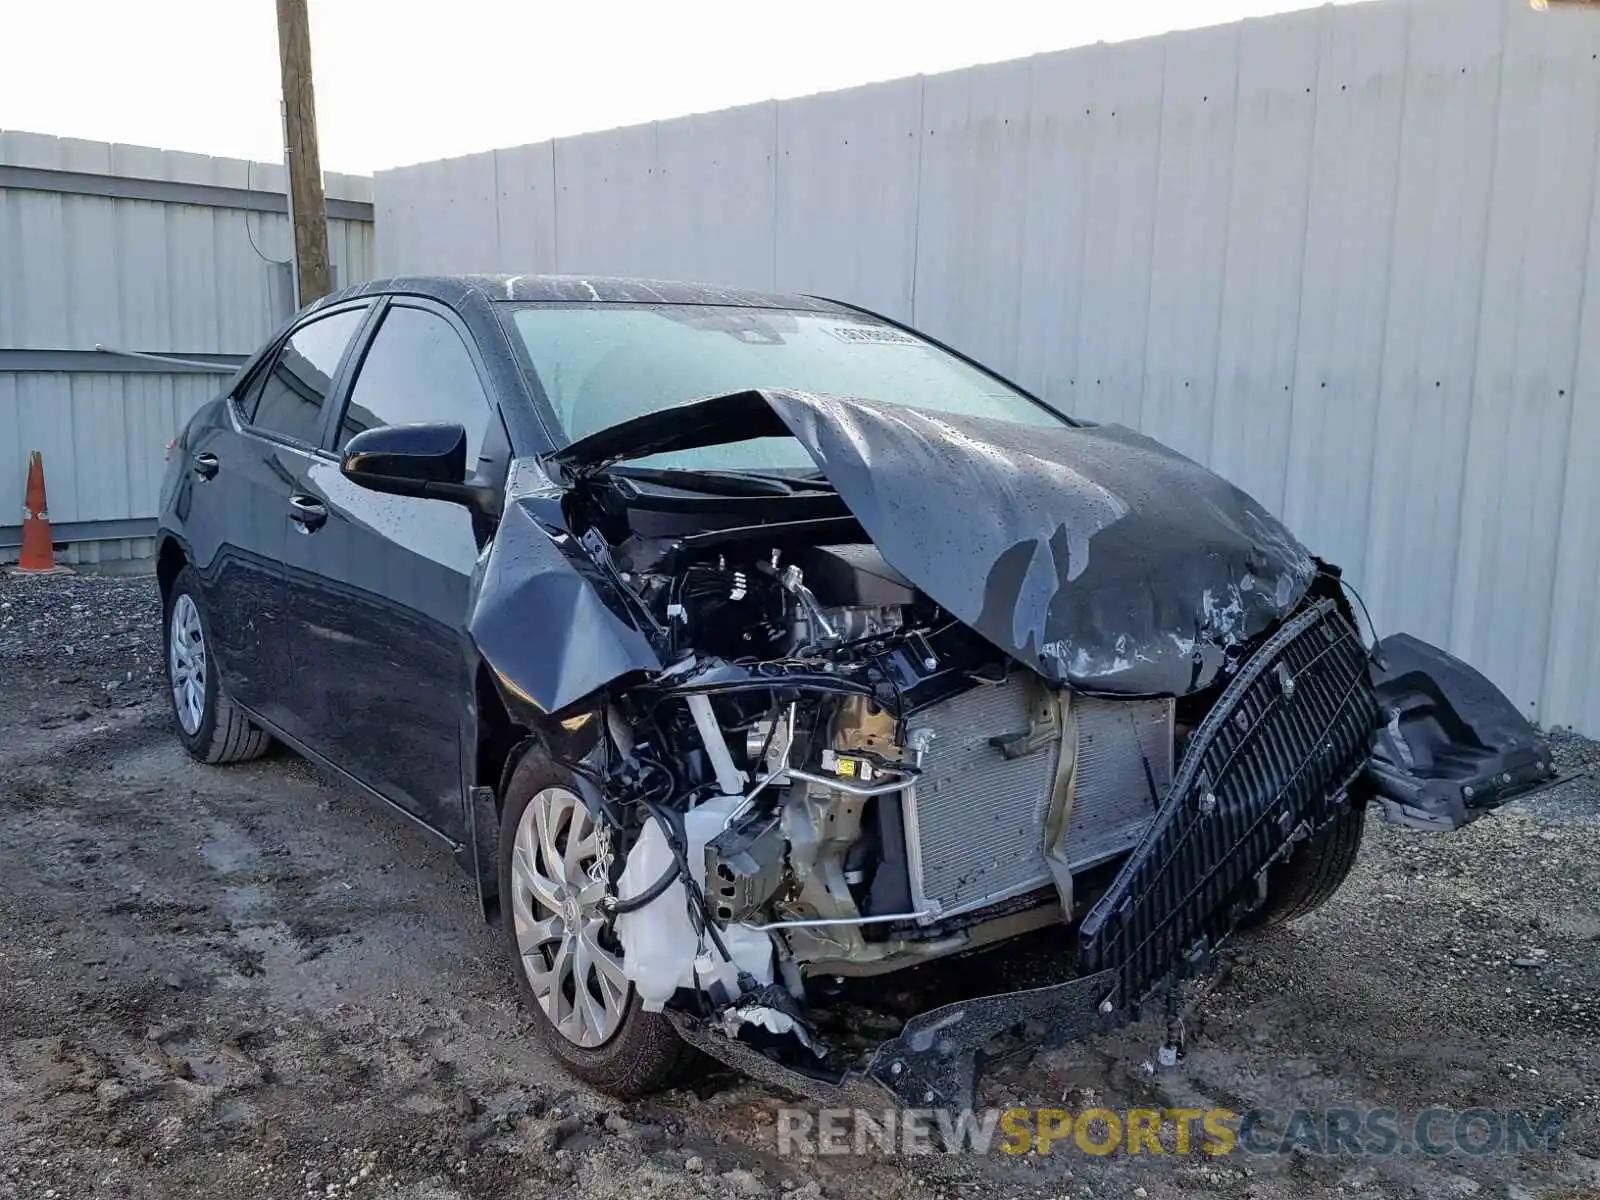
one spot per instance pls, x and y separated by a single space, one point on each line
289 399
248 393
417 369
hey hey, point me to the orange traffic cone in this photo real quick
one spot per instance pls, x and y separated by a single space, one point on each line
37 553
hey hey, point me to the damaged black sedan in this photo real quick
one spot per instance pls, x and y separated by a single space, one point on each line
739 644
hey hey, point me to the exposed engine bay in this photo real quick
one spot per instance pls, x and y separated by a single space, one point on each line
891 805
835 778
813 764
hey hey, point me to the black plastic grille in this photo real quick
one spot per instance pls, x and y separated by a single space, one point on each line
1268 764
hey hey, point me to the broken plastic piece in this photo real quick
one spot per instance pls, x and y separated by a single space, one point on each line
1452 746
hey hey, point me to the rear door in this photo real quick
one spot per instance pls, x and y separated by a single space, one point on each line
378 592
242 472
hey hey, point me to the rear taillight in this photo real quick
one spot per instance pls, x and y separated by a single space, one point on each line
171 446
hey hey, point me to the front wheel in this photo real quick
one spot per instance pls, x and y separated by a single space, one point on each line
211 728
568 960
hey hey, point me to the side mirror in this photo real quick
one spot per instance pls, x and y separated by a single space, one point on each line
427 460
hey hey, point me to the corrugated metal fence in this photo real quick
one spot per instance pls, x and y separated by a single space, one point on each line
1343 256
141 250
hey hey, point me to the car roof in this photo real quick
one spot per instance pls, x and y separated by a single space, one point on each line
581 289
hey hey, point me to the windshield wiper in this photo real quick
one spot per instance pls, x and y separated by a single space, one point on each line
808 481
728 481
811 479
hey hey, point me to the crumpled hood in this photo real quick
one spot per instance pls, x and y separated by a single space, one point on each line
1094 555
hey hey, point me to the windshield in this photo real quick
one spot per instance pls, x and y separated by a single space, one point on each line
602 364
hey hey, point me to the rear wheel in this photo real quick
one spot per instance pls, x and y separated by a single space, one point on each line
1308 878
568 961
211 728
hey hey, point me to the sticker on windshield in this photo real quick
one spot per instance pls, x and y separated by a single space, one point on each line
879 335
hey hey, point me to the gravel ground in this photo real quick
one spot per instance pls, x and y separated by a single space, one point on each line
254 982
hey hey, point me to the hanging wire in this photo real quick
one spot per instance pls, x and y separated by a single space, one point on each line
1374 654
277 262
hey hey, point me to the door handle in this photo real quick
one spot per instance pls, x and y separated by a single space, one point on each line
204 465
307 513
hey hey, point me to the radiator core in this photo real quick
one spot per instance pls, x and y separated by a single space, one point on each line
975 822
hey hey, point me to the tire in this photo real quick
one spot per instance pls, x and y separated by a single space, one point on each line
643 1052
1309 877
220 733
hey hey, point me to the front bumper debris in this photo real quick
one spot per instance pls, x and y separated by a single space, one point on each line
1452 747
937 1058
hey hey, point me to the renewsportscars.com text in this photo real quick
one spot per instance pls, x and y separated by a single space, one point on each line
1176 1131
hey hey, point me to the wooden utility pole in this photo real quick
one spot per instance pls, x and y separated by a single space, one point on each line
307 208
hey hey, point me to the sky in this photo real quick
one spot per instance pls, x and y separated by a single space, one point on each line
404 81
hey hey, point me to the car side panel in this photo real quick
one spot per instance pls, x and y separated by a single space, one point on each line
379 592
229 490
378 603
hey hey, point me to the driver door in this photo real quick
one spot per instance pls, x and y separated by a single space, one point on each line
378 584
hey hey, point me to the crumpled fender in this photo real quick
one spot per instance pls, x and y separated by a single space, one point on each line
548 622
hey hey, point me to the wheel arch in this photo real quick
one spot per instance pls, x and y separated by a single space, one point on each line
507 731
171 558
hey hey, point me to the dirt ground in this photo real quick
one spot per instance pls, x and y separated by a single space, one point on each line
255 982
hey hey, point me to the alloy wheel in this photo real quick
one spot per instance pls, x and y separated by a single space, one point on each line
563 941
186 663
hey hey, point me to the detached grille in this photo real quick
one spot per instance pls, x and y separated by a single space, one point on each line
1269 763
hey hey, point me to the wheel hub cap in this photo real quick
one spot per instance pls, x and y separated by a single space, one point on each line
566 951
186 664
